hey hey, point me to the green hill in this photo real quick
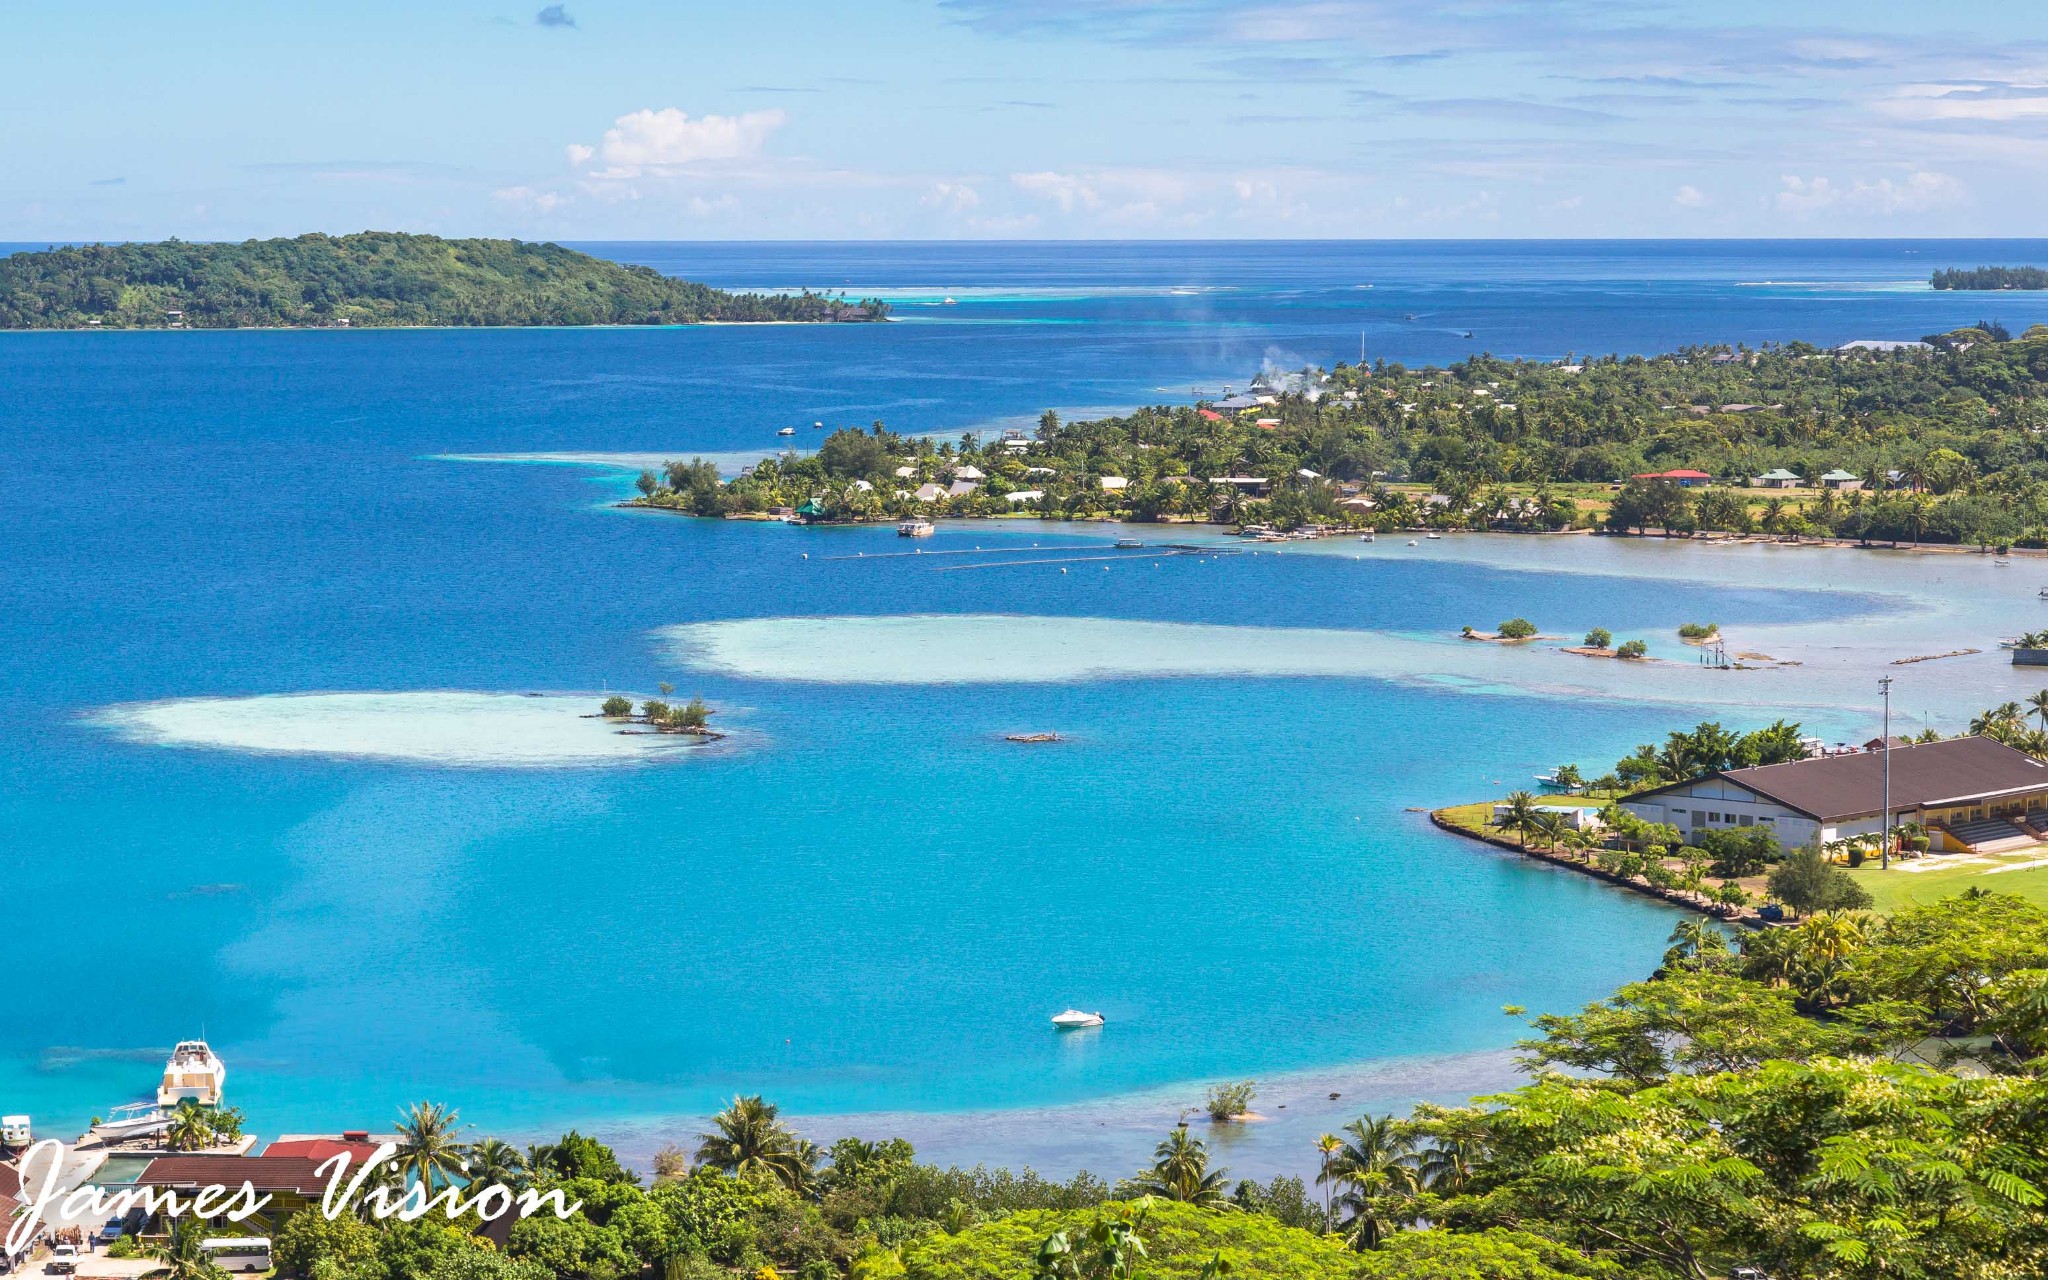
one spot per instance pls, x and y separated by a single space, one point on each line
374 279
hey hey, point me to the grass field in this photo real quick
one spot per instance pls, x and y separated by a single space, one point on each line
1897 888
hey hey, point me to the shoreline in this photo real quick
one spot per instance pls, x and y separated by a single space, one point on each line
1745 916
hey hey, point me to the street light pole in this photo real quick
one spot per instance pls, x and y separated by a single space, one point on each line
1885 858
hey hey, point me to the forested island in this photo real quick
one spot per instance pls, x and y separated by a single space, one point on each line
376 279
1939 441
1991 278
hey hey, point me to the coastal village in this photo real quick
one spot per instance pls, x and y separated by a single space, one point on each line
1706 442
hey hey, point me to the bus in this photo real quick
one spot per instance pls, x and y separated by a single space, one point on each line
238 1253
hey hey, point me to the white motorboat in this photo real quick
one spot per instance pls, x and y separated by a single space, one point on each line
1413 543
915 527
132 1121
787 431
1365 537
194 1073
1075 1020
1433 536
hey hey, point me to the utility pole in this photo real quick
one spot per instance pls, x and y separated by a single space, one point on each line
1885 860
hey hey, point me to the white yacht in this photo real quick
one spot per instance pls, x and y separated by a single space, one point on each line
1074 1020
132 1121
195 1073
915 527
787 431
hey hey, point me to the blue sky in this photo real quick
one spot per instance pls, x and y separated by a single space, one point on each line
631 119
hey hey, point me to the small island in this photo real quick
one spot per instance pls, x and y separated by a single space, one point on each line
691 718
376 279
1985 278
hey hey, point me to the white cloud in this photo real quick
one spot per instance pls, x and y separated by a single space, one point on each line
1688 197
1917 194
1063 189
953 197
2000 103
656 141
532 198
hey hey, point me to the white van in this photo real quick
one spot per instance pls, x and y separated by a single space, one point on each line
238 1253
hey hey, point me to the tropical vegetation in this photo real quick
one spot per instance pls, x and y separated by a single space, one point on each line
372 279
1943 444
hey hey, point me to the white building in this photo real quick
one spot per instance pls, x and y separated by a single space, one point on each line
1972 794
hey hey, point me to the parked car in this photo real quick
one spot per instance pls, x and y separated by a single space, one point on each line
63 1260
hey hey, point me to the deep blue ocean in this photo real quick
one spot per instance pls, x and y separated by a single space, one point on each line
866 900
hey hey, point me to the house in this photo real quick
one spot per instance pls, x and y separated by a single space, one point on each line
1254 485
1972 795
10 1204
1681 477
960 488
1578 817
1883 344
969 473
357 1144
1114 484
1776 478
1306 474
929 492
1024 495
1208 415
1041 471
1266 424
904 473
292 1183
1840 479
1238 403
1357 504
863 486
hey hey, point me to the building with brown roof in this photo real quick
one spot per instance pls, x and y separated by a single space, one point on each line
292 1182
1968 793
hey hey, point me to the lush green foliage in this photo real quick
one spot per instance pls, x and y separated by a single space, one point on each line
1517 629
370 279
1807 881
1180 1242
1990 278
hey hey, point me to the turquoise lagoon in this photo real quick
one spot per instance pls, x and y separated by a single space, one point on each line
293 751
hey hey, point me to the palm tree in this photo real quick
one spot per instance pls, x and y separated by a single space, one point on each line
182 1254
1377 1170
1521 813
749 1140
191 1128
1445 1166
1329 1144
1180 1171
1693 942
1549 828
427 1148
2038 704
490 1161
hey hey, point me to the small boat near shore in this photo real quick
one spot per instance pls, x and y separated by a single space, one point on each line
915 527
1075 1020
1129 544
132 1121
787 431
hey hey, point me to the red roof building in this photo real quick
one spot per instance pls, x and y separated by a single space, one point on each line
1682 477
1209 415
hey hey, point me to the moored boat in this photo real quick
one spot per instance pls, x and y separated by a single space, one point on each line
132 1121
915 527
194 1073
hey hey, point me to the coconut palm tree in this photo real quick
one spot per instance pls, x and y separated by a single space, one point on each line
749 1139
1548 827
1180 1171
491 1161
1377 1170
191 1128
2038 704
1329 1145
182 1253
428 1151
1520 815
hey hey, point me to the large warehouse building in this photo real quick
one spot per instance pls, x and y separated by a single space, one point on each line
1972 795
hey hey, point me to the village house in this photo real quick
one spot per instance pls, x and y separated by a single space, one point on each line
1776 478
1971 794
1683 478
1840 479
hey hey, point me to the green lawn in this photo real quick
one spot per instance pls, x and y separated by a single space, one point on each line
1894 889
